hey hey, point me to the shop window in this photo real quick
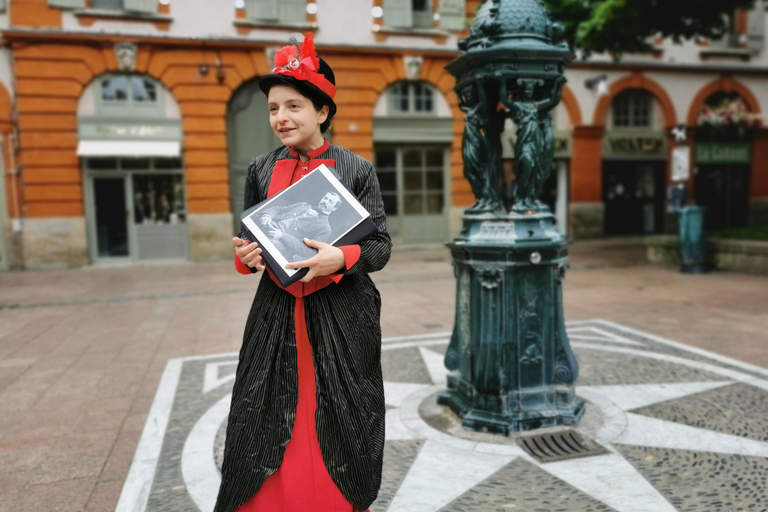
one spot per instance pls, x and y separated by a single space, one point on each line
411 98
281 12
632 109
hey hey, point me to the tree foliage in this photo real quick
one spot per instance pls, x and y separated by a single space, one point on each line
627 26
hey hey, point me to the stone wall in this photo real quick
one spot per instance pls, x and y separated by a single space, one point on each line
746 256
210 236
54 242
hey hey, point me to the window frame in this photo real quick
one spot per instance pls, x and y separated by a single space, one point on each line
395 96
632 98
130 107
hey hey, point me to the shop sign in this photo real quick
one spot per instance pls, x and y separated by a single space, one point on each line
723 153
131 131
96 128
635 145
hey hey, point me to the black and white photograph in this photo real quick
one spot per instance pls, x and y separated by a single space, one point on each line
317 207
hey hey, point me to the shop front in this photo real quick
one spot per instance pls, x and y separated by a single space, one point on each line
722 180
129 131
634 169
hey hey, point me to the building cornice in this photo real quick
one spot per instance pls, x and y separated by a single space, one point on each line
37 36
34 36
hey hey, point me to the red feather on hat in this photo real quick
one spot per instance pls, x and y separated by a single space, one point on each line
291 55
308 50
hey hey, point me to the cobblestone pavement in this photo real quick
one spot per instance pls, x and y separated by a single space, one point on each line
115 382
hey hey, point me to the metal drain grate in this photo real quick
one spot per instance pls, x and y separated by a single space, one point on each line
567 444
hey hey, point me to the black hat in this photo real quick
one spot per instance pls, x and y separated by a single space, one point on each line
299 66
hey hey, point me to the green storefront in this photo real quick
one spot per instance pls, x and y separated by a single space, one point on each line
722 176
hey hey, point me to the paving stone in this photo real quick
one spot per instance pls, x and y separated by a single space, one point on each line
404 365
703 481
398 458
737 410
599 368
521 486
94 345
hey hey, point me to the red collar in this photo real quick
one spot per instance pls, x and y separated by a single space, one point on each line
314 153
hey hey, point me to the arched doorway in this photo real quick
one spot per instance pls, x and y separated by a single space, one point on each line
723 158
413 132
129 129
249 136
634 164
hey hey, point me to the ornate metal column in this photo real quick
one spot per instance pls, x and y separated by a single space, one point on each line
512 367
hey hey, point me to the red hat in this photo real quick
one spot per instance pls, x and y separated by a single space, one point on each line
299 66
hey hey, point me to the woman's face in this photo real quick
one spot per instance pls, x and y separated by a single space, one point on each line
293 117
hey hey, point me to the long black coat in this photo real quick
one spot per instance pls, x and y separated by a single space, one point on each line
345 332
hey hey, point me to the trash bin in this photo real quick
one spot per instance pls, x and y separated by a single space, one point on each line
693 248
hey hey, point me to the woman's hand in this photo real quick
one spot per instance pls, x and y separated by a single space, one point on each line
249 253
328 260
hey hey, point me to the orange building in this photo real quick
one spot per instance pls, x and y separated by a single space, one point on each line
127 125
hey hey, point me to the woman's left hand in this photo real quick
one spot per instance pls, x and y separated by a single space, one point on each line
329 259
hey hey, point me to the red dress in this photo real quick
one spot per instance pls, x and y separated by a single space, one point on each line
302 482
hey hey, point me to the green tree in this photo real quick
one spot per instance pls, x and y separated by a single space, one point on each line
626 26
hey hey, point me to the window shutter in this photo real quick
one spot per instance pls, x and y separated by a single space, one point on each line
262 9
293 11
452 13
67 4
147 6
398 13
756 28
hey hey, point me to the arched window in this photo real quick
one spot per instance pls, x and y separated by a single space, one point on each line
633 109
411 98
128 90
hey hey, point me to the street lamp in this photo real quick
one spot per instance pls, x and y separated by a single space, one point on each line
511 364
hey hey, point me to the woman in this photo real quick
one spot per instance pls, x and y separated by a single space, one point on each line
304 436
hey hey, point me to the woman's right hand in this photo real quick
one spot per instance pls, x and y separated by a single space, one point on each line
249 253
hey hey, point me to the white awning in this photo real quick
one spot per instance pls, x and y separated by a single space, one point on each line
129 148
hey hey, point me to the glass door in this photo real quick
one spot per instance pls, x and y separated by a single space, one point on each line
414 189
110 217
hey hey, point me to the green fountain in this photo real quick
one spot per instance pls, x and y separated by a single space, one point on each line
511 367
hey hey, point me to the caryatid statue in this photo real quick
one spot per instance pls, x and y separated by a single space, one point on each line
535 145
481 147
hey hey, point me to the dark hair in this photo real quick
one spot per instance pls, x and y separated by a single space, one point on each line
319 104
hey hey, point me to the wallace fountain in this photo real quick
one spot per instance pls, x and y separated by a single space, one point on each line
511 364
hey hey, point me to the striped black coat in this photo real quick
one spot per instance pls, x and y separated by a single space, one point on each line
345 332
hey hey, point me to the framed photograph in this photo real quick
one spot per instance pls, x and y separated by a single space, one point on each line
318 207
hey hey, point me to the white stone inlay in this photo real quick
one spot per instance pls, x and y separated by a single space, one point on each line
652 432
198 464
137 486
435 364
441 474
611 480
640 395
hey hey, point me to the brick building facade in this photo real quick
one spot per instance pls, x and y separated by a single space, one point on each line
127 124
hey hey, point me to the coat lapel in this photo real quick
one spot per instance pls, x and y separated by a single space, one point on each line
281 175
